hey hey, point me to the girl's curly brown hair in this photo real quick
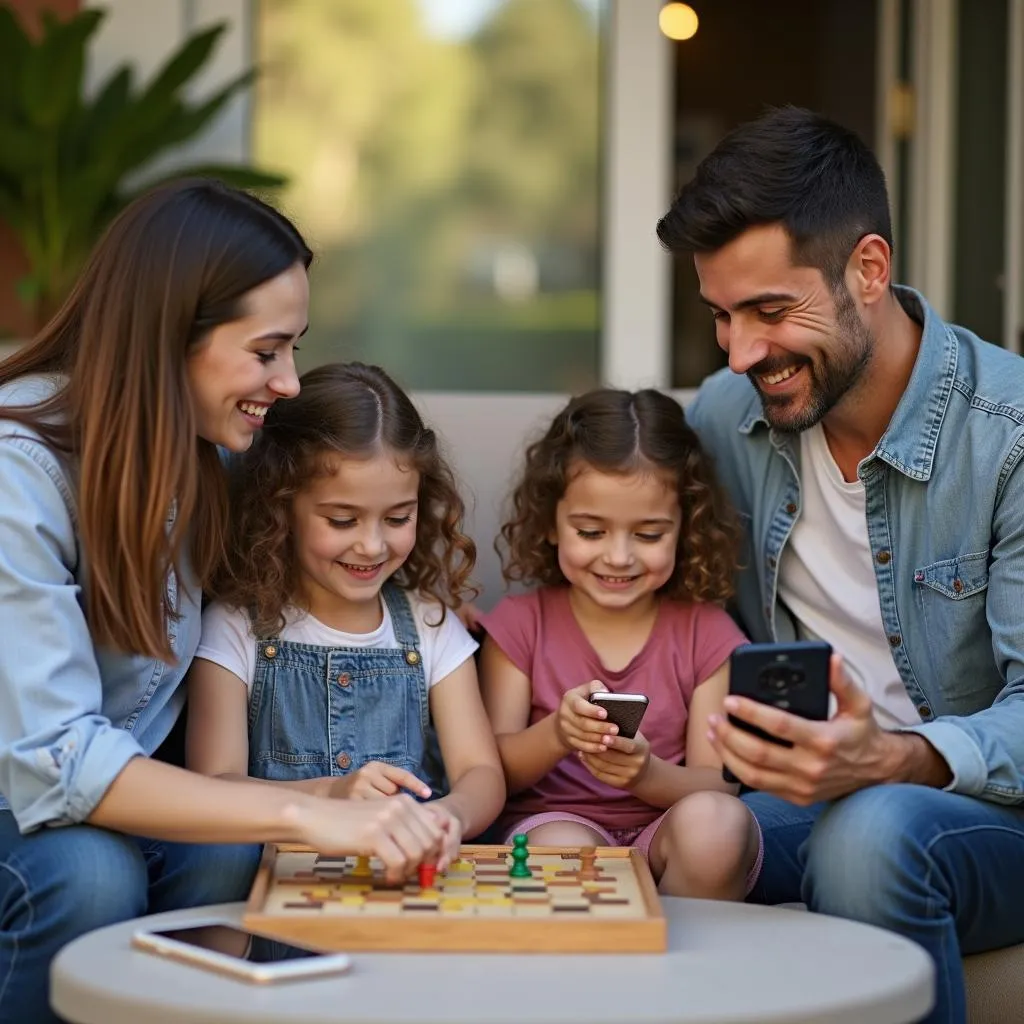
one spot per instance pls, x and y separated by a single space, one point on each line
620 432
351 410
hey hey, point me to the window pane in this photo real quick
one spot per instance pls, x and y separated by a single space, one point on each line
443 159
748 55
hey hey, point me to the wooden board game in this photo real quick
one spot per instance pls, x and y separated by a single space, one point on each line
343 903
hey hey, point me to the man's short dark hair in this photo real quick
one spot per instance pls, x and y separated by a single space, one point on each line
790 167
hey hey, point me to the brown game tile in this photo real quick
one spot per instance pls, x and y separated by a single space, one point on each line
305 905
385 896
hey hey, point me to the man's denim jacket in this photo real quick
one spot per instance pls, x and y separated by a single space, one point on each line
944 496
71 714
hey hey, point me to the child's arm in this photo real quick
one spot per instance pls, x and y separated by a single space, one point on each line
528 753
217 742
659 783
476 784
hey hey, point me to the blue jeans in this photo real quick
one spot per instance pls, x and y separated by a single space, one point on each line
58 883
939 868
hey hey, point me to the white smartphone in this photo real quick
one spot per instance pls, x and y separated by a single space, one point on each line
222 947
626 710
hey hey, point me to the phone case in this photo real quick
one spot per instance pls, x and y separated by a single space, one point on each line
627 715
790 676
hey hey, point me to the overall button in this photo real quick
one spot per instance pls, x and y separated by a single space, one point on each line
270 651
791 508
894 639
412 657
958 585
343 760
883 557
344 679
771 562
924 711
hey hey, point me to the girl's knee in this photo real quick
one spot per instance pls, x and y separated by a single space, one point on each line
709 817
705 846
564 833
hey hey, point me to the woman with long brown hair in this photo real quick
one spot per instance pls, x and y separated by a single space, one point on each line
176 341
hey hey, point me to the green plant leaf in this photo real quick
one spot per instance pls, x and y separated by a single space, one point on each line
235 175
110 101
21 150
186 61
14 45
51 75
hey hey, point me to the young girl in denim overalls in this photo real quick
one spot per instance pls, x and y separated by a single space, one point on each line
330 660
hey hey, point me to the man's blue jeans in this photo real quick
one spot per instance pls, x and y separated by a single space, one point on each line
58 883
944 870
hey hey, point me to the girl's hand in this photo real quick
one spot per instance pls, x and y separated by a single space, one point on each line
623 764
375 781
581 725
452 827
399 831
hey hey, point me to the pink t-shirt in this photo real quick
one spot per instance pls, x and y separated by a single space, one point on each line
539 634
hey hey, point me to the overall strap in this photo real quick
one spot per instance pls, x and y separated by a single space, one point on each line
403 622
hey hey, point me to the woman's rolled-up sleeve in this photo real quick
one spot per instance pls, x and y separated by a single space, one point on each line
58 753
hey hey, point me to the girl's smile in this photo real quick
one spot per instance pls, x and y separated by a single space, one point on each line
354 527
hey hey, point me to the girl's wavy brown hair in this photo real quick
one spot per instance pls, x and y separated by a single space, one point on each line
617 431
176 263
353 411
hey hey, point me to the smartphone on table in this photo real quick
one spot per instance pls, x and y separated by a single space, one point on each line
626 710
222 947
790 676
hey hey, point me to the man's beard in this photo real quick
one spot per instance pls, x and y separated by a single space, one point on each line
831 378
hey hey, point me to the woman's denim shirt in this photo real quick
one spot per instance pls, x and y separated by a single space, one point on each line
71 714
944 495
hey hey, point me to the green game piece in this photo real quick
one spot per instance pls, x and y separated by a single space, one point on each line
520 854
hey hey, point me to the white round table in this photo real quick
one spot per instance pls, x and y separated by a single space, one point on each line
727 963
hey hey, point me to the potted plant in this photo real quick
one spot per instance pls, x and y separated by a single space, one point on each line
69 162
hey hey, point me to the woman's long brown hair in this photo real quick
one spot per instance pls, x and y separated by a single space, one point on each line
176 263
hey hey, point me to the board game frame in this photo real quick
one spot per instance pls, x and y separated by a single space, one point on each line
457 934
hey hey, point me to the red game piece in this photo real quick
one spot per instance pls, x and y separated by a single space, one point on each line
427 873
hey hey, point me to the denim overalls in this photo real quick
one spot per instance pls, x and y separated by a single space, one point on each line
317 711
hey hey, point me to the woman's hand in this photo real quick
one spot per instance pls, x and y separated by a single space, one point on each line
453 829
400 832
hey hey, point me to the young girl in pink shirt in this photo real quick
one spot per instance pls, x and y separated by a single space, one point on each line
618 521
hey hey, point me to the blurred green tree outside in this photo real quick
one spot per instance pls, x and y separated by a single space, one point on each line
450 186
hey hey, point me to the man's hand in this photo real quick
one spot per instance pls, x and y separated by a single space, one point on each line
827 760
581 725
623 764
375 781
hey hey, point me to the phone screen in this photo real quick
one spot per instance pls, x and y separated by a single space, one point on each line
230 941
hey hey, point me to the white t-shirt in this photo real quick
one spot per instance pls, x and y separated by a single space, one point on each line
827 580
228 641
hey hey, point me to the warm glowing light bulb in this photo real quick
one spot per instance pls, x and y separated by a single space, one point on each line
678 21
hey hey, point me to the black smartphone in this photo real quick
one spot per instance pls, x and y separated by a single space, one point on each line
626 710
792 677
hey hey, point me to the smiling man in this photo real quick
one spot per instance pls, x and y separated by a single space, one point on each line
873 453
